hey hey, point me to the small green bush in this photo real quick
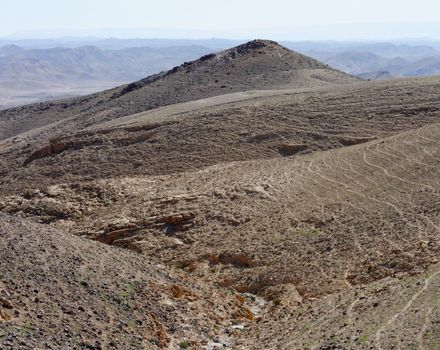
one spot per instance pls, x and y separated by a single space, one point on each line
184 345
84 283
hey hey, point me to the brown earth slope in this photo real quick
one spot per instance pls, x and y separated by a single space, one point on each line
326 230
292 230
385 190
319 206
341 244
256 65
198 134
58 291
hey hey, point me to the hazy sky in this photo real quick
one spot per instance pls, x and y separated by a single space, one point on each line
212 18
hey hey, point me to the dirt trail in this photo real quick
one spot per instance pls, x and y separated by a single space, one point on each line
406 307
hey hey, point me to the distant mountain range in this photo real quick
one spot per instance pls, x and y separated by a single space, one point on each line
380 60
29 75
42 69
19 66
118 44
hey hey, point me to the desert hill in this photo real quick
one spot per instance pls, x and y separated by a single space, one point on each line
366 60
424 67
194 135
42 70
255 65
276 216
363 64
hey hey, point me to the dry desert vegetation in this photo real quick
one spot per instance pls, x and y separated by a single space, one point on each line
252 199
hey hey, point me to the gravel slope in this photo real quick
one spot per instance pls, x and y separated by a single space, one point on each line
59 291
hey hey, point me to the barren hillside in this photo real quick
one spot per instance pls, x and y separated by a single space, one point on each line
282 218
290 230
255 65
58 291
191 136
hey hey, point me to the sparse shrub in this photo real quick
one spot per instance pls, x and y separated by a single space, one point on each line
180 265
184 345
252 297
277 302
129 290
84 283
207 57
363 338
311 231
